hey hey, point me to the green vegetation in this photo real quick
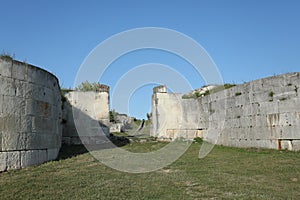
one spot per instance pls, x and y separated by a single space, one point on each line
198 140
65 90
112 116
271 94
218 88
6 56
226 173
148 122
87 86
238 93
137 121
221 87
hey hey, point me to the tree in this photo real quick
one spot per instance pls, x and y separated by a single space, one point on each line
87 86
112 116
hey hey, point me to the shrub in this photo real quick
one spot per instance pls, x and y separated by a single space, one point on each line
87 86
271 94
198 140
6 56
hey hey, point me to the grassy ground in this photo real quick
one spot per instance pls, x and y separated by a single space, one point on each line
135 129
226 173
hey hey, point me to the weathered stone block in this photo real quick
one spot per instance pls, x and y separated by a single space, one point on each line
43 157
10 123
290 105
286 144
13 160
44 109
0 141
40 124
42 141
30 107
1 103
19 70
5 67
48 95
34 141
51 82
26 123
296 145
36 75
13 141
13 105
290 132
7 86
19 115
261 96
52 154
3 161
29 158
20 88
33 157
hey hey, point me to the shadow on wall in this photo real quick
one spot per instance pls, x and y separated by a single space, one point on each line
88 134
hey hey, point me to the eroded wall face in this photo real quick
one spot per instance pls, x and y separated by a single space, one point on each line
164 106
86 117
263 113
174 117
30 115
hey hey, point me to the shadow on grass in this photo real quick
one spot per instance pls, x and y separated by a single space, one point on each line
84 123
69 151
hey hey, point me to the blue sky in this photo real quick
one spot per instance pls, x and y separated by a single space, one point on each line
246 39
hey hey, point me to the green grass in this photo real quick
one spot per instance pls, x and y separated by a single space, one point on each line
226 173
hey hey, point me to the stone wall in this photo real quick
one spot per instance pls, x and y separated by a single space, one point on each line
122 123
263 113
90 111
30 115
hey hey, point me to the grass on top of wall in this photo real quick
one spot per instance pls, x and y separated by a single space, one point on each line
226 173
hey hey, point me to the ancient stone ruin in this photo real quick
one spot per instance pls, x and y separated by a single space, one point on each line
30 115
264 113
35 119
90 111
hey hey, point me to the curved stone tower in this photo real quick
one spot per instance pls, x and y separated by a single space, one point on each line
30 115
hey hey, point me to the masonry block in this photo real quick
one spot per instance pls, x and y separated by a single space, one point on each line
13 141
13 105
296 145
18 70
3 161
52 154
40 124
29 97
29 158
10 123
5 67
13 160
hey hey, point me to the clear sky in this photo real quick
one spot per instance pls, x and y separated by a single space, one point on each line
247 39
